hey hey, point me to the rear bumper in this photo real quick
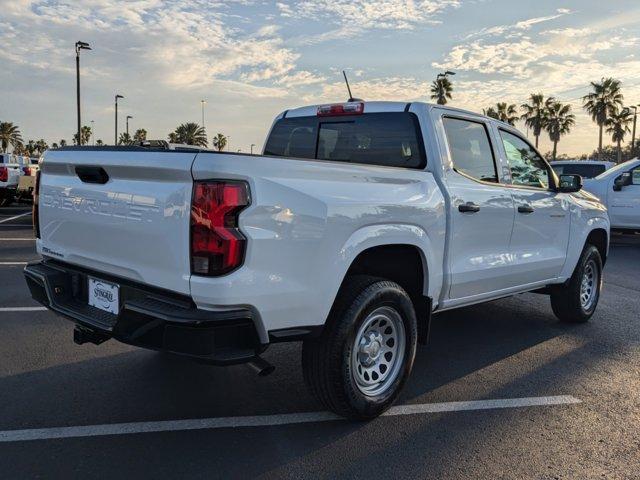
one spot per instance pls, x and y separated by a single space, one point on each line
148 317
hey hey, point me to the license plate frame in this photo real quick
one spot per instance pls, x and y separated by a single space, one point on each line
104 295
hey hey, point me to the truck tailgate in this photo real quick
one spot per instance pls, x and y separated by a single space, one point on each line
123 212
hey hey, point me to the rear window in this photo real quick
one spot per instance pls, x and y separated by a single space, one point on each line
392 139
586 170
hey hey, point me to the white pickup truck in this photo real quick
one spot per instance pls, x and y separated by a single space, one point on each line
619 190
10 173
356 223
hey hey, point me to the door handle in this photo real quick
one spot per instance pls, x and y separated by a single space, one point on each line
469 207
525 209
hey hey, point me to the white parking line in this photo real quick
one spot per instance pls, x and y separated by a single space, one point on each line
23 309
13 263
266 420
17 239
13 218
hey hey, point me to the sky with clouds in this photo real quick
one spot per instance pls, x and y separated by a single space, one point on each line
251 59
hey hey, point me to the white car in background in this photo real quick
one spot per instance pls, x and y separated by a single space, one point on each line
584 168
619 190
26 184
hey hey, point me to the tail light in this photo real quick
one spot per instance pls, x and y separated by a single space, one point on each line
26 171
4 174
353 108
36 198
217 245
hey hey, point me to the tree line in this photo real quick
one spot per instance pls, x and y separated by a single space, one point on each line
604 103
186 133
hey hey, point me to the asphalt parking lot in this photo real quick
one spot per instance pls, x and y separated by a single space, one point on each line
502 391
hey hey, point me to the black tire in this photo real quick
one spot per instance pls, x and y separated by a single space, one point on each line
566 299
327 360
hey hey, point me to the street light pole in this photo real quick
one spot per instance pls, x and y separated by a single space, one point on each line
79 46
115 142
128 117
252 145
93 133
633 135
445 74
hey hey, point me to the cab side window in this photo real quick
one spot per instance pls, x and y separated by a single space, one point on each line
470 149
527 167
635 176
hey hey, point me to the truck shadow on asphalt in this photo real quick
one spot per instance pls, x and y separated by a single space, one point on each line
139 385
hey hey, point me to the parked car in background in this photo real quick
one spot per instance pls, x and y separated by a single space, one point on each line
584 168
619 189
10 173
26 185
358 222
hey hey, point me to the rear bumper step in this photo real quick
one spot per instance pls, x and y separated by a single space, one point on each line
148 318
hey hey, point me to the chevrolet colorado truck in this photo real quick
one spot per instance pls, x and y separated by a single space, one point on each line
356 223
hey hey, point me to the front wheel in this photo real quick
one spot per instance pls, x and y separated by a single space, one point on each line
359 364
576 301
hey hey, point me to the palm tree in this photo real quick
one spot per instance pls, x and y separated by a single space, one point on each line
41 146
618 126
441 89
85 136
140 135
99 142
62 143
219 142
125 139
31 148
557 121
9 135
54 145
503 112
533 113
602 103
190 134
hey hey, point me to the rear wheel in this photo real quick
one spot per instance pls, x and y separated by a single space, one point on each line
358 366
576 301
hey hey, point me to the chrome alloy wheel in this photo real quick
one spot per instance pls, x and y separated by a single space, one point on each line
589 285
378 351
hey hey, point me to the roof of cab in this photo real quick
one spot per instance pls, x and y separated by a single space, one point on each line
382 106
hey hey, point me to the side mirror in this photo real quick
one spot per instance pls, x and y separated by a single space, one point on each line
570 183
622 181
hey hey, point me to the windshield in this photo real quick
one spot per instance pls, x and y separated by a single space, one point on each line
620 168
586 170
392 139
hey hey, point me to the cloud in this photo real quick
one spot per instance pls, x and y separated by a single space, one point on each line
518 27
524 56
353 17
186 45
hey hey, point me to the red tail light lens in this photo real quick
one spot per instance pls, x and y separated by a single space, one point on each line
36 200
26 171
4 174
217 245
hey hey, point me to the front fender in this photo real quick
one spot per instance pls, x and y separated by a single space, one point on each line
583 222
